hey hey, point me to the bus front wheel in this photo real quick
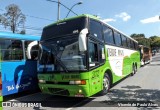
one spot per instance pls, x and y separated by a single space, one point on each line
106 84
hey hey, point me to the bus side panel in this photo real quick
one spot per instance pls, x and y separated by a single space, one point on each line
126 65
19 76
136 59
121 61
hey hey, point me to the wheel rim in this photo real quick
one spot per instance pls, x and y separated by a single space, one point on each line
105 83
133 71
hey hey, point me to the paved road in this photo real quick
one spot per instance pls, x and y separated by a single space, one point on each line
142 89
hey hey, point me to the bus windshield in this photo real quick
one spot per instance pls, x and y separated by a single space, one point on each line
63 53
63 28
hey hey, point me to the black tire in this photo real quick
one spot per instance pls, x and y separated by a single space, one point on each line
106 84
135 67
133 70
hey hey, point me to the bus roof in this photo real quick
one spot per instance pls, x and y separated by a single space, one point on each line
93 17
9 35
75 17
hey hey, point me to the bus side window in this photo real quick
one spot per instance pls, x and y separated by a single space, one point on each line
108 35
96 29
93 54
136 44
129 43
12 50
117 38
132 44
4 44
124 41
17 50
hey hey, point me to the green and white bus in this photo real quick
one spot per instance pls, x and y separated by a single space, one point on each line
81 56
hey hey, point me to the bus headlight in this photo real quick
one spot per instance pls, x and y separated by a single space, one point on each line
42 81
78 82
80 91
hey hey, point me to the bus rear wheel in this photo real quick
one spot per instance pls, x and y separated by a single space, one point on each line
134 70
106 84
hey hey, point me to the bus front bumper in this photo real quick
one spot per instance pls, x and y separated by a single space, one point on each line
65 90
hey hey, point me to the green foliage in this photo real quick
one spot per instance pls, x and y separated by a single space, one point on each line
141 39
153 41
13 18
137 36
144 41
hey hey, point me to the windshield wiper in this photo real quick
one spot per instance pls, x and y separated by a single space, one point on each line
59 60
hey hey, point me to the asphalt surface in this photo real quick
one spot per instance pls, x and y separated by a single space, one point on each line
138 92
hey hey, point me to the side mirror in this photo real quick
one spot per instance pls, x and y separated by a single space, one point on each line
82 40
30 47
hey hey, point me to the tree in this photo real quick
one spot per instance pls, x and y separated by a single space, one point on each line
23 32
153 37
141 39
144 41
13 18
155 41
137 36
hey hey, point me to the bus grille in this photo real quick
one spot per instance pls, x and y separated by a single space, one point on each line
58 91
